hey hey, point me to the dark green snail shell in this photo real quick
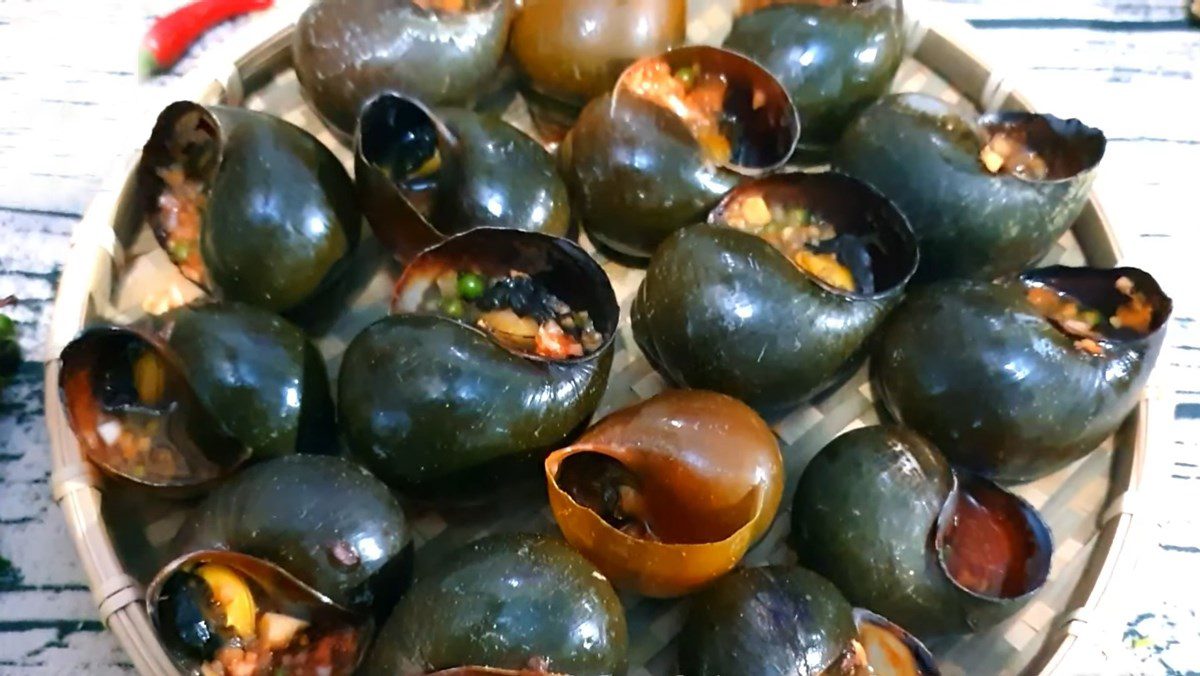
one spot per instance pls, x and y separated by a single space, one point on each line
924 156
499 168
414 413
347 51
771 621
790 621
276 400
635 171
631 206
281 219
833 60
191 624
491 175
871 513
506 601
98 366
325 520
721 309
428 401
976 369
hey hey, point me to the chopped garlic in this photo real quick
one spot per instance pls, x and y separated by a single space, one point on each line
277 630
447 284
109 431
161 302
991 159
755 211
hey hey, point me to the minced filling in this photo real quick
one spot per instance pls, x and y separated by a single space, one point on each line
1090 327
180 206
841 261
447 6
1006 152
236 629
191 150
330 654
517 309
697 96
132 421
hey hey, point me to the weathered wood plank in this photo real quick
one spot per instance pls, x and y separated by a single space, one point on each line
30 270
1072 74
47 616
67 122
1160 628
1112 11
31 648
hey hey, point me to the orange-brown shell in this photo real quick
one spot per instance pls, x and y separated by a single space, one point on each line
711 475
574 50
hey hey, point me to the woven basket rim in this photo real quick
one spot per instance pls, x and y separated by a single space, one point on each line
264 49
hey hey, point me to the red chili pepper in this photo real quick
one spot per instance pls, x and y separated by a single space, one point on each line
171 35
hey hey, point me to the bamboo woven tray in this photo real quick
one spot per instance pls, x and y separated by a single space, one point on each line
113 264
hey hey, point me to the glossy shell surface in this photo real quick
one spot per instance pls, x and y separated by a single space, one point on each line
274 194
441 58
574 50
99 355
711 477
872 513
491 175
923 154
975 368
167 605
506 602
635 170
834 59
277 401
326 521
722 309
771 621
425 398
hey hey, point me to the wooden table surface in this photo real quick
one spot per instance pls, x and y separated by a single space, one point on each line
71 107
